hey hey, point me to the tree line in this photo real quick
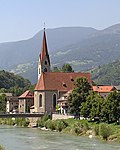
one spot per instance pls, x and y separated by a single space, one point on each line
82 101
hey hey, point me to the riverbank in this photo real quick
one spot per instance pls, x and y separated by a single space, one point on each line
17 138
22 122
107 132
104 131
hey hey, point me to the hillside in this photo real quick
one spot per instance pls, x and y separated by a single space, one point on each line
82 47
13 83
108 74
27 51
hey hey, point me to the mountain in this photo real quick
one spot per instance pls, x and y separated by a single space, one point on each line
83 47
15 53
108 74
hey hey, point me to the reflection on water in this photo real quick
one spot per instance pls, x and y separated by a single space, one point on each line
33 139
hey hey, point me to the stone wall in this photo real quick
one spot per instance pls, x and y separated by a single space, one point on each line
59 116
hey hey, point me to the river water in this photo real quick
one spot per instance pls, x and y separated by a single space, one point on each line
13 138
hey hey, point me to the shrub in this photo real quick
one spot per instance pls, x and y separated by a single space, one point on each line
77 128
61 124
80 127
41 121
104 131
96 129
50 124
46 124
85 126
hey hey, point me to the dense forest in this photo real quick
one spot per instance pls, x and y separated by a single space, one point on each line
13 83
108 74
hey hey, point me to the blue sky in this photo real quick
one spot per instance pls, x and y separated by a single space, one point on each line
22 19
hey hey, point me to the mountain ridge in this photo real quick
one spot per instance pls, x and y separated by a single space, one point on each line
83 47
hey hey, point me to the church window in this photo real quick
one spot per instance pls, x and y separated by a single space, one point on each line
40 100
45 62
39 70
54 100
45 70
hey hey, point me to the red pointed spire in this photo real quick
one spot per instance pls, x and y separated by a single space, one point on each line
44 50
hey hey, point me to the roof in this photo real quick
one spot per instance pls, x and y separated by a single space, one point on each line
59 80
103 89
44 50
117 87
27 94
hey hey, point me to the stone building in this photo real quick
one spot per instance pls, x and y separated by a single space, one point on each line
11 103
26 100
51 85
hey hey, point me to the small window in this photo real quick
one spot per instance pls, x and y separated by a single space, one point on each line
39 70
64 84
72 79
45 62
40 100
54 100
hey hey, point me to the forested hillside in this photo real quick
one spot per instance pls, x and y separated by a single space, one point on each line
108 74
13 83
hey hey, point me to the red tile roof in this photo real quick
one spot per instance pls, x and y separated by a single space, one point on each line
44 50
27 94
103 89
58 80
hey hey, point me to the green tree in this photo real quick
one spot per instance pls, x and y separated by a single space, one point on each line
92 106
67 68
78 95
111 107
56 69
2 103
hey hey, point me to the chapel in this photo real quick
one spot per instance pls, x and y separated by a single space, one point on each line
51 85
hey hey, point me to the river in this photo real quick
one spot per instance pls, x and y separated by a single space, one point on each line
13 138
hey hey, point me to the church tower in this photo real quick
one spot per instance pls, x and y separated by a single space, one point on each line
44 60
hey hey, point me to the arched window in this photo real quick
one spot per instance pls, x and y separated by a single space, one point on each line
45 70
39 70
40 100
45 62
54 100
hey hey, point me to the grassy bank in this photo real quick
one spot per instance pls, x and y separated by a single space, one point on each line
23 122
107 132
104 131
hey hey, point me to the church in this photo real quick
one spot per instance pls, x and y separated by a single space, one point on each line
51 85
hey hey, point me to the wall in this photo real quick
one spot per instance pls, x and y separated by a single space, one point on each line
59 116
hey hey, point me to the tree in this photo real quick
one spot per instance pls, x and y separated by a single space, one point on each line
67 68
56 69
91 108
78 95
2 103
111 107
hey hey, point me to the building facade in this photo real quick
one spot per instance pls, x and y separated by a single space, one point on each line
26 100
